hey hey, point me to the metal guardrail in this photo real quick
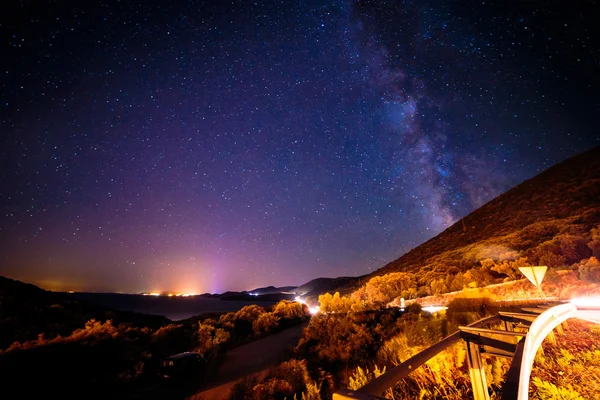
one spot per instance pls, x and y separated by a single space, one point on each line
523 353
391 377
517 379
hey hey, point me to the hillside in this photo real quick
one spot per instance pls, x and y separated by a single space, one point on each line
563 199
552 219
27 311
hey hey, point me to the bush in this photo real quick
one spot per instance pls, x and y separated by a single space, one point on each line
395 351
361 377
464 310
589 270
549 391
290 309
337 339
265 323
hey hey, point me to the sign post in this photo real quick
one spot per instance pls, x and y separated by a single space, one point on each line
535 276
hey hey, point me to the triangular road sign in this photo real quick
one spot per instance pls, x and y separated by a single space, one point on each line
534 274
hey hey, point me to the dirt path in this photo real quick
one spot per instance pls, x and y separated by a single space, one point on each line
251 359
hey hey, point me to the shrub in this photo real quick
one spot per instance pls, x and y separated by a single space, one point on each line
265 323
463 310
275 389
242 389
294 372
335 339
549 391
290 309
589 270
361 377
395 351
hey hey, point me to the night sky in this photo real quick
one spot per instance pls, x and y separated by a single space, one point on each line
212 146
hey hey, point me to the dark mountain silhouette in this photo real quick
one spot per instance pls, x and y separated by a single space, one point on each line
271 290
26 311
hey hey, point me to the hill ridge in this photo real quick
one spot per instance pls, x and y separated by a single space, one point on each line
576 179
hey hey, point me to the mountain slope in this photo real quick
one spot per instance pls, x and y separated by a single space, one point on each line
564 199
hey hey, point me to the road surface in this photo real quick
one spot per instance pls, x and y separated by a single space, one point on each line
254 358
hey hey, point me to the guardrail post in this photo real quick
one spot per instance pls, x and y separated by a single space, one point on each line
477 372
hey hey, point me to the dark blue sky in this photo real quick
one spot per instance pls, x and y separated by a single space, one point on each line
212 146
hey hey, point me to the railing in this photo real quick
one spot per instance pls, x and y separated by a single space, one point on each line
390 378
517 378
522 352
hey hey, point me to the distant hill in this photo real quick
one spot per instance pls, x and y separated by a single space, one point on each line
271 290
26 311
563 200
314 288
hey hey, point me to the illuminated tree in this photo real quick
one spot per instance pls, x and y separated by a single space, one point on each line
511 268
210 338
590 270
337 338
265 323
290 309
594 243
380 290
438 286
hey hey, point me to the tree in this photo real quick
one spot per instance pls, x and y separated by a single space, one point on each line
265 323
589 270
594 243
511 268
290 309
380 290
337 339
438 286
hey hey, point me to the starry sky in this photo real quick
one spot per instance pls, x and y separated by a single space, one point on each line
205 146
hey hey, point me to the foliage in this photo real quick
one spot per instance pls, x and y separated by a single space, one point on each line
380 290
242 389
589 270
265 323
336 339
549 391
361 377
210 338
464 310
335 303
288 380
594 243
395 351
273 388
569 369
290 309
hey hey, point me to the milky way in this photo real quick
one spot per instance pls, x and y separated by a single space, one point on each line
203 146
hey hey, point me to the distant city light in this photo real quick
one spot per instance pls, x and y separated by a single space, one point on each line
170 294
253 294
